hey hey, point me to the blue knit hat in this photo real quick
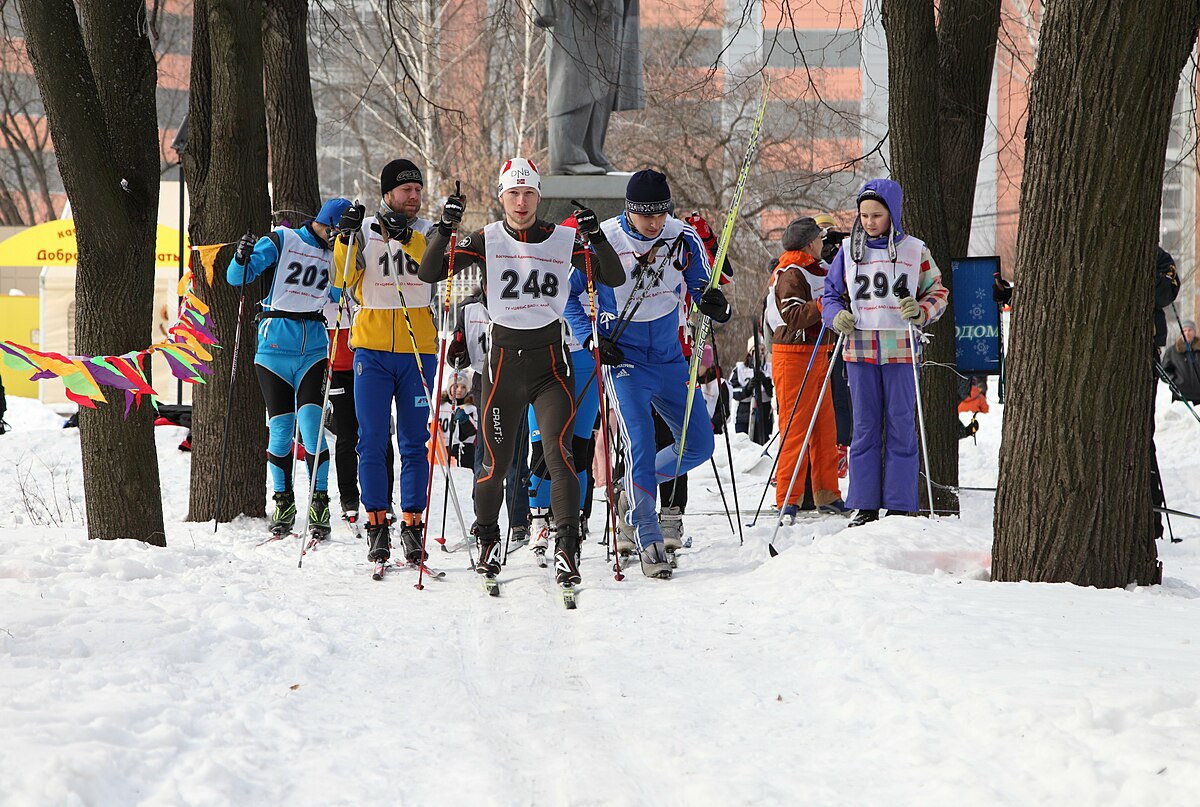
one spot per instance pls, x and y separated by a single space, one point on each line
331 212
648 193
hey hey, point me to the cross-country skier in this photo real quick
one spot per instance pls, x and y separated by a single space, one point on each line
292 351
394 341
881 281
527 265
645 367
587 405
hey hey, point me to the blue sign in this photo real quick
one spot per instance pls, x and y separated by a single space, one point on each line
976 316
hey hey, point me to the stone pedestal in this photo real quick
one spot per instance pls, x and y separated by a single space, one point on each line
604 193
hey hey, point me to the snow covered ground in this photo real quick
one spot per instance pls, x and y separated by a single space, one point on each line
871 666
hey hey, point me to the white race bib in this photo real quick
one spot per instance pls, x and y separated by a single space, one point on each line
302 275
527 284
873 282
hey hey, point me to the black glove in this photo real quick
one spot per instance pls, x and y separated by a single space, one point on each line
714 305
245 248
610 353
457 355
586 221
1001 291
352 219
452 211
750 386
394 226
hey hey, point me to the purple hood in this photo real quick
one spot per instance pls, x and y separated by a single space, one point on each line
893 197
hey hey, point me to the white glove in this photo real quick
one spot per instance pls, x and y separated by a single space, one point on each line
910 310
843 322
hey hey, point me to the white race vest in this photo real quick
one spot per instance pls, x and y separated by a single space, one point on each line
302 275
816 287
872 283
387 266
527 284
475 330
658 298
331 312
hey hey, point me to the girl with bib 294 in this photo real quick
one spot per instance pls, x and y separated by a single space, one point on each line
881 281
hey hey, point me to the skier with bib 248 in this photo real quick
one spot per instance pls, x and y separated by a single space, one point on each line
528 266
881 281
664 259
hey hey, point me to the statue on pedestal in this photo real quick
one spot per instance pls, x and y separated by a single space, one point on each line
594 67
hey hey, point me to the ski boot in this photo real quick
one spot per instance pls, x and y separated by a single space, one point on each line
318 516
787 516
410 538
284 517
863 516
837 507
670 523
655 562
626 534
350 512
539 527
520 536
380 541
487 541
566 556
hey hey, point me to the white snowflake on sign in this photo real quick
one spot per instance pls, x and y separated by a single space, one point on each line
981 347
980 293
977 311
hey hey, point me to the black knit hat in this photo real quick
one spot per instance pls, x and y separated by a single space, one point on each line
648 193
398 172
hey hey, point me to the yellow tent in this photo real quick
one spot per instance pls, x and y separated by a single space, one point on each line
53 244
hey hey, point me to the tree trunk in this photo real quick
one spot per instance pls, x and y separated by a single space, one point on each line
96 74
1073 503
226 168
291 121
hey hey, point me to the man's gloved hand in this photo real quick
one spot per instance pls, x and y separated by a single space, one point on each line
586 221
610 352
245 248
843 322
910 309
457 355
714 305
352 219
452 211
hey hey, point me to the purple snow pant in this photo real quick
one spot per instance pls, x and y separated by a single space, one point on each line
884 463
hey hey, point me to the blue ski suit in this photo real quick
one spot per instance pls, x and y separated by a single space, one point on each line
655 372
292 344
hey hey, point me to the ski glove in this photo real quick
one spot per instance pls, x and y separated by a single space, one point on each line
843 322
352 219
714 305
610 353
452 212
245 248
586 221
910 309
1001 291
456 352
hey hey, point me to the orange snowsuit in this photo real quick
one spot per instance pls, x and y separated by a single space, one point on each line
794 315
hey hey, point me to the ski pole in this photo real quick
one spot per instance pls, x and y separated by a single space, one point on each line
728 449
837 348
921 416
705 323
788 427
721 490
237 343
316 458
591 287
